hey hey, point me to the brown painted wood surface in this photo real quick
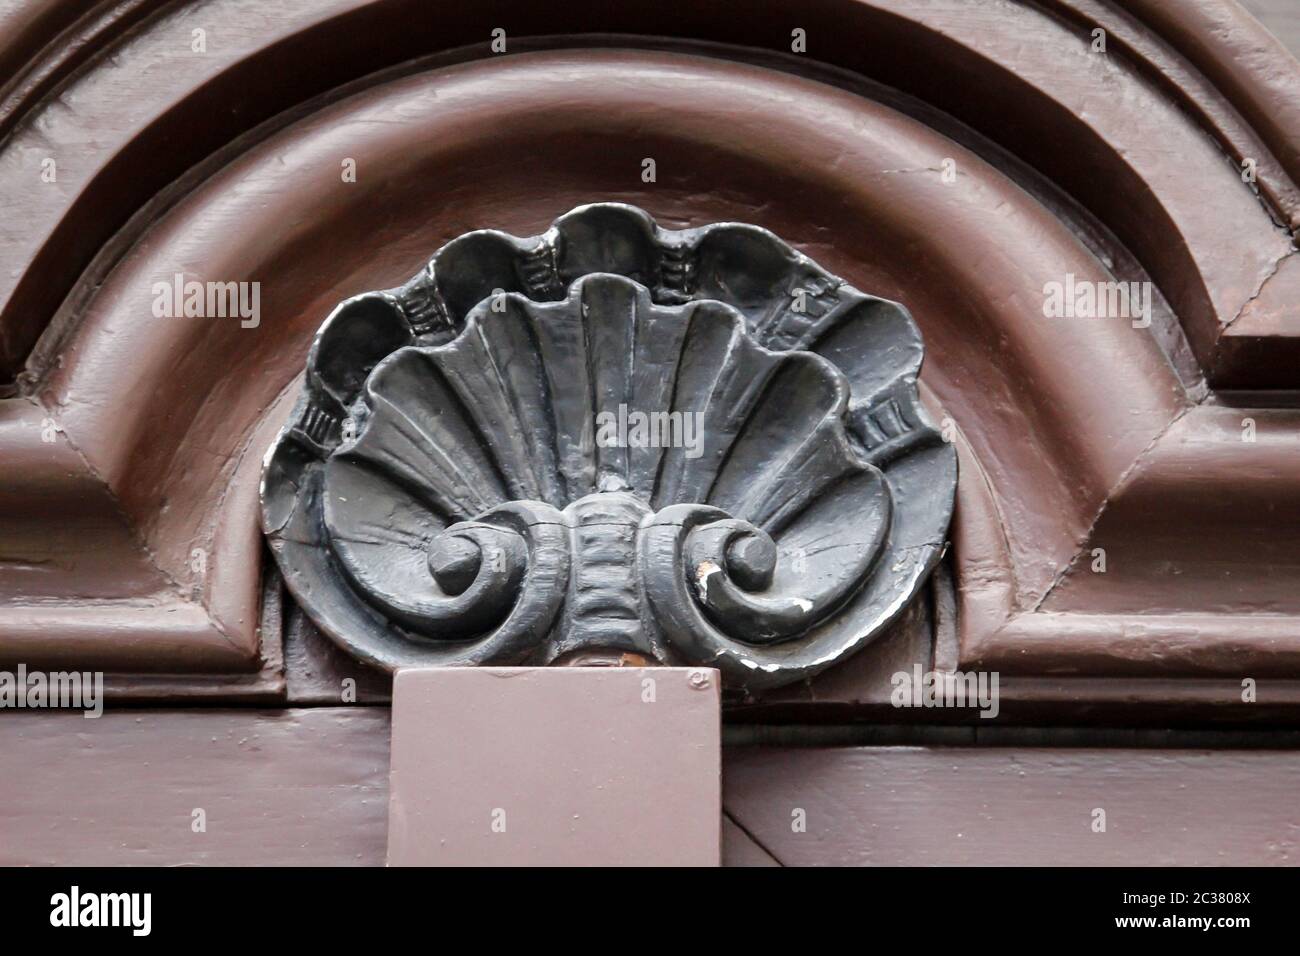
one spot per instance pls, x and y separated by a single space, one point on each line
998 806
1047 88
555 766
1072 435
740 849
277 787
1281 18
1092 393
310 786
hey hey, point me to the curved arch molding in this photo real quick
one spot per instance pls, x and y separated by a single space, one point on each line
1073 435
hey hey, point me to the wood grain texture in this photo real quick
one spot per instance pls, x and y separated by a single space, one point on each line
912 806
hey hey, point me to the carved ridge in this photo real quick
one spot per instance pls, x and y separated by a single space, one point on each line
474 511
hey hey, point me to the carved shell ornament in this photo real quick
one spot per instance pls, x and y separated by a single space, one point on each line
693 446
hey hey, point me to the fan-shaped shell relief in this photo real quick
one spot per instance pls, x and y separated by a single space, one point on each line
613 439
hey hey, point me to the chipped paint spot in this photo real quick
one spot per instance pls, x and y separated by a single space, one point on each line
702 574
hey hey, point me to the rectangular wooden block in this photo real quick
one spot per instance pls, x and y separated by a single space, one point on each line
562 766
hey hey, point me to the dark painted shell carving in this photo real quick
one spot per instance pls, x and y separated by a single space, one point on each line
694 446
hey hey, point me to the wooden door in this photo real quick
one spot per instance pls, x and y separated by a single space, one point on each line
1088 211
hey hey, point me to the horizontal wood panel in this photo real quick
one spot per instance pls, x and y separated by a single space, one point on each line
303 787
996 806
310 786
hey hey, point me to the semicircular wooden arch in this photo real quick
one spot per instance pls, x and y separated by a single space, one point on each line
1074 435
